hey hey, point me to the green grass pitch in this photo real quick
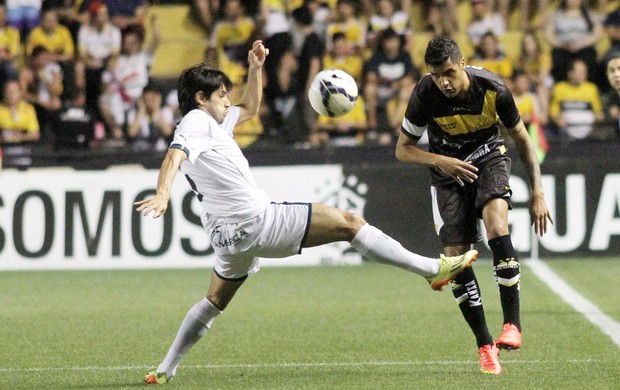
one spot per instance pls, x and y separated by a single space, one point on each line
367 327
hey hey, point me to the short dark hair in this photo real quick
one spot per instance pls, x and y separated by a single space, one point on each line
440 49
199 78
38 50
303 16
611 56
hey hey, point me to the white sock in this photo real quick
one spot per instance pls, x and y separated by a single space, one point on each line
375 245
195 324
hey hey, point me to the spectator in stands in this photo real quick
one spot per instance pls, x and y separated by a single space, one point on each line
70 14
124 13
575 104
54 37
612 29
533 17
24 15
347 22
536 64
10 47
231 38
127 75
172 102
282 92
339 57
275 24
204 13
388 15
42 84
18 118
527 103
150 124
483 21
321 14
274 18
488 55
441 17
612 32
301 122
573 32
613 76
388 72
347 130
98 41
76 123
112 104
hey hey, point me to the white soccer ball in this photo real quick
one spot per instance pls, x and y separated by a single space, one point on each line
333 93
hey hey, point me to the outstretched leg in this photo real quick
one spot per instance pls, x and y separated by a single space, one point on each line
196 323
329 224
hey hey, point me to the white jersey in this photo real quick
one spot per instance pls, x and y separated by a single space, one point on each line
216 168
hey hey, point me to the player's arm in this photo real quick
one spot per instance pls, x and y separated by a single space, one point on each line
538 207
169 168
253 93
408 152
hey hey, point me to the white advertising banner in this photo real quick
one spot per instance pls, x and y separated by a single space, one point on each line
66 219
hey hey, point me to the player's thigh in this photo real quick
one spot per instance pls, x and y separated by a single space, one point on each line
329 224
454 215
493 195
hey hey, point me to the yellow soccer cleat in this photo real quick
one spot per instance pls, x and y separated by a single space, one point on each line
156 378
449 267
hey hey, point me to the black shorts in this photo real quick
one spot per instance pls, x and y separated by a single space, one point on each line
456 209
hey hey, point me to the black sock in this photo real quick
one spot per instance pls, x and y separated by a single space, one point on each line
467 294
507 274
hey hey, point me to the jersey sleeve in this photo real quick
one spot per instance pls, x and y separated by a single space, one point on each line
416 118
193 135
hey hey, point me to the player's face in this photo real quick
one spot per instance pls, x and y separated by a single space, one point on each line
613 74
450 78
217 104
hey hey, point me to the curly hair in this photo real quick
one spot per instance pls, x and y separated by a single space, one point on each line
440 49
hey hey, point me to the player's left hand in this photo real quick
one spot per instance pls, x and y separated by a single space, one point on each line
257 55
539 213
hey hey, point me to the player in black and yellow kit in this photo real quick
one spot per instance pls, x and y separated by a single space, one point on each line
459 106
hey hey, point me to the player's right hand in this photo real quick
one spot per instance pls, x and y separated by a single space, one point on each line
461 171
157 204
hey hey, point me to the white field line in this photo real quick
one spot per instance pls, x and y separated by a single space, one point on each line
289 365
589 310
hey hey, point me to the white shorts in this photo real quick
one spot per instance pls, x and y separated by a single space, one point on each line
279 231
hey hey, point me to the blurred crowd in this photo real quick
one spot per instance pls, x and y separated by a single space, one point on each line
78 73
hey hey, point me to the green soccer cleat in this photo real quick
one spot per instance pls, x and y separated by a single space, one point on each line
156 378
449 267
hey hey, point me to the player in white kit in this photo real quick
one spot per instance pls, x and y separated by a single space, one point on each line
242 222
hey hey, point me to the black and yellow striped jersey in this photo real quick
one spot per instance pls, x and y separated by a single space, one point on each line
467 128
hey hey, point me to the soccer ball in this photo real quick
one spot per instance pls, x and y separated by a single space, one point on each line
333 93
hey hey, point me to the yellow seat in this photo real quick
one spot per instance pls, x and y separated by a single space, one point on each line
420 41
172 57
183 42
511 43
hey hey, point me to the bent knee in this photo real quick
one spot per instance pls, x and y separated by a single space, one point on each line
353 223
